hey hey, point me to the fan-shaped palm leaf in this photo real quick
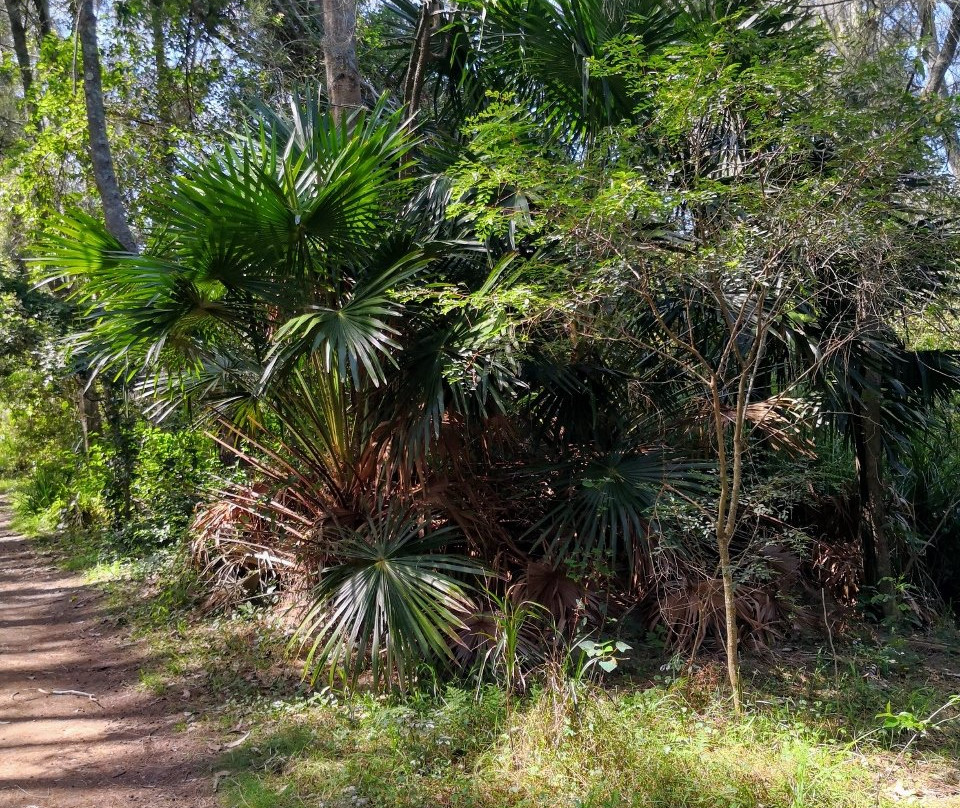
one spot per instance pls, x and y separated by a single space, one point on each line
391 604
603 504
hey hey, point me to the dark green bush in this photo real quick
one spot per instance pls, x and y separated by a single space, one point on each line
173 468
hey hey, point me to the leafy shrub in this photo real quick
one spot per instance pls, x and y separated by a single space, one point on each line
172 470
46 487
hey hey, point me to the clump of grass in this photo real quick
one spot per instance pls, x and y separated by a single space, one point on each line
654 748
153 682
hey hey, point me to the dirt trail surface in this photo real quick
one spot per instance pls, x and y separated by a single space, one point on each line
68 751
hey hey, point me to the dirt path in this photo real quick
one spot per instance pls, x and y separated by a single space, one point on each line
66 751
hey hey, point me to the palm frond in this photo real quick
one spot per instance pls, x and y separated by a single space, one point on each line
390 603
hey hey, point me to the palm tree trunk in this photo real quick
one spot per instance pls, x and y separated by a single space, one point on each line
114 209
340 56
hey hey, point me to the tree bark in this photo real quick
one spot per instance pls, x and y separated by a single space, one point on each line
159 49
88 408
730 615
19 34
105 176
163 84
945 56
727 507
930 43
878 570
865 532
44 23
419 57
340 56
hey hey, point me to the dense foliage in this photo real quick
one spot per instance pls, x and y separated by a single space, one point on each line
589 318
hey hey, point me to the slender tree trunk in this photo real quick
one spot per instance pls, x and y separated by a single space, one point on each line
865 532
89 404
163 88
937 71
419 57
19 34
727 507
874 512
43 18
114 210
951 145
159 48
123 458
340 56
115 217
730 615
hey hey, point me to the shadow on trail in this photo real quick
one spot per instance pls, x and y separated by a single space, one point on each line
130 746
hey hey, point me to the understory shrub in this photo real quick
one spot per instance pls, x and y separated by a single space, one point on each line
173 469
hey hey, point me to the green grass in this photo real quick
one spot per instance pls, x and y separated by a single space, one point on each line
809 738
32 525
9 485
649 747
90 552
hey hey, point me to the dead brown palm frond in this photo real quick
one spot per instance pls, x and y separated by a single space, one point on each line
549 586
474 638
835 567
239 552
693 611
778 419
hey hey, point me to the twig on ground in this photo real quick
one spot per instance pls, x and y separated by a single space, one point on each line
237 742
89 696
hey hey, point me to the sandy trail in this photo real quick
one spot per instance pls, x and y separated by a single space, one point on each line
66 751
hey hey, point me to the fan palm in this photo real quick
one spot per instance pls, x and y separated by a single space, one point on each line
260 239
277 293
390 603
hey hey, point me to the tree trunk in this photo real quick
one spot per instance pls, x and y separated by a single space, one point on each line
163 88
728 505
730 614
419 57
948 50
159 50
43 17
123 457
878 570
19 34
114 210
864 532
340 56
